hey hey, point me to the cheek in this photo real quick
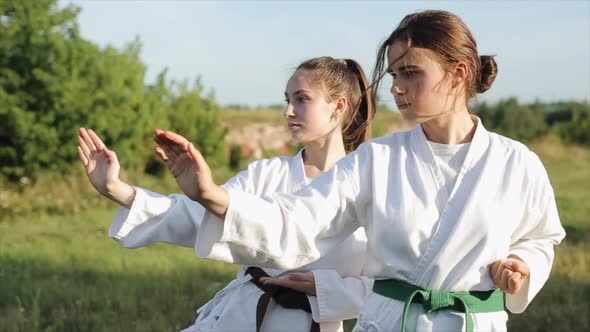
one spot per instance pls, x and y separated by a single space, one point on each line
314 114
439 86
302 112
417 90
429 90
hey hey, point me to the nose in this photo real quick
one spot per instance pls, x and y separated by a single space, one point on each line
396 89
288 113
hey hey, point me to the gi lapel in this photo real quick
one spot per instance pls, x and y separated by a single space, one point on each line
297 179
451 204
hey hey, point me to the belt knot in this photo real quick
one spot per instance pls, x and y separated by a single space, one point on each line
436 300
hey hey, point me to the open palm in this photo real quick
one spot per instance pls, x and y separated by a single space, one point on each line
101 164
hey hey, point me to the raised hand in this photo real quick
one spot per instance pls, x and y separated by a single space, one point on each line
102 168
510 274
101 164
300 281
191 172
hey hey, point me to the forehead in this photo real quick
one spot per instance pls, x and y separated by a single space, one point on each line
399 54
301 79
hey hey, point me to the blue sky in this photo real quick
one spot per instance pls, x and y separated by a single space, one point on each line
245 51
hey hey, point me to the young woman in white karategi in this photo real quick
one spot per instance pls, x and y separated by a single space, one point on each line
461 222
329 111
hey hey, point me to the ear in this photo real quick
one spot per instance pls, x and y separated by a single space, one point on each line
340 105
460 74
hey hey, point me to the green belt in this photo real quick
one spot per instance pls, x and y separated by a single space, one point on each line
465 301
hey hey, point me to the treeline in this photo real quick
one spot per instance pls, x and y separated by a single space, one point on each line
52 81
569 120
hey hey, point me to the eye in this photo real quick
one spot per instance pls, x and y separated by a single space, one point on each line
409 73
393 75
287 100
302 99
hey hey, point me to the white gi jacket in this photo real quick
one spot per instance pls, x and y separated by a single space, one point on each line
177 220
502 203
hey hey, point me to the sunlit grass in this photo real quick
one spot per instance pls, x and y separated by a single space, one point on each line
64 274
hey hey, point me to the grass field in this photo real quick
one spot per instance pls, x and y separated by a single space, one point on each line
60 272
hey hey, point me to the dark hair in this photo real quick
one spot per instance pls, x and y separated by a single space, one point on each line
450 39
346 78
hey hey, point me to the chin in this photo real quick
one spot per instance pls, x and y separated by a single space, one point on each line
409 117
296 137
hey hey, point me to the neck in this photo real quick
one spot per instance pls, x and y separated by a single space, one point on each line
319 156
452 128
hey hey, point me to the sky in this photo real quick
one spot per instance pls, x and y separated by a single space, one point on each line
245 51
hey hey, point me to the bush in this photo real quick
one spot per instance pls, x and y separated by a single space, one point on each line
507 117
570 120
577 130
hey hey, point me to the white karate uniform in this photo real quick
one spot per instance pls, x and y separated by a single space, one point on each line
178 220
501 203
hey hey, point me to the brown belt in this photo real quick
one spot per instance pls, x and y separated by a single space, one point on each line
286 297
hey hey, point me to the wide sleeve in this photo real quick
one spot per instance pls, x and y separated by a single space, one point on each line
154 218
287 231
534 239
338 298
173 219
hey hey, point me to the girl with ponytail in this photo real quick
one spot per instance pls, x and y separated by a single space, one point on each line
329 110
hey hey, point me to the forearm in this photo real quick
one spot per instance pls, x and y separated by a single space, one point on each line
279 232
120 193
173 219
534 244
216 201
282 230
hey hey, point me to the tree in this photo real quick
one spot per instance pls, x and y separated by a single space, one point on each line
198 118
52 81
37 41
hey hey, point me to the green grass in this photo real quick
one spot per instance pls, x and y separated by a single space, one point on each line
60 272
569 172
64 274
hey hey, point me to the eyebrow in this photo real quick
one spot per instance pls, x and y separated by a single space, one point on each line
403 67
300 91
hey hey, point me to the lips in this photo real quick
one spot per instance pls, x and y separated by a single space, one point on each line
402 106
293 125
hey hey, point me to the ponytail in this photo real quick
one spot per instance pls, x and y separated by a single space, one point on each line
358 129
